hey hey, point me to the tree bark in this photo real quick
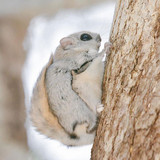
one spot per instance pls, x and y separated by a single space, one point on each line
129 127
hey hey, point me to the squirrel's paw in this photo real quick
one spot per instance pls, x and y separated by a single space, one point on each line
100 108
80 129
107 47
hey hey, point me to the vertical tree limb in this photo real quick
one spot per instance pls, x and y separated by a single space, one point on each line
129 127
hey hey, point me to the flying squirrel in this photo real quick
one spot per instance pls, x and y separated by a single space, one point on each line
66 99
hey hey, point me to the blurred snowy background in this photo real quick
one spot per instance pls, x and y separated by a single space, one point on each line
42 24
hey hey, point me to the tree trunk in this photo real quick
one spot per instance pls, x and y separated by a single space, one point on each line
129 127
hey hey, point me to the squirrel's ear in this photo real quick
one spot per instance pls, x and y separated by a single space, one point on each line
66 42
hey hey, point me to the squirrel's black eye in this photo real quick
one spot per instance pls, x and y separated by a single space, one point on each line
85 37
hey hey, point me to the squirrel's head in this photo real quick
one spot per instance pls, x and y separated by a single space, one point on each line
81 40
77 43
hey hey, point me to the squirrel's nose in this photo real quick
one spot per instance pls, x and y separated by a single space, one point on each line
98 38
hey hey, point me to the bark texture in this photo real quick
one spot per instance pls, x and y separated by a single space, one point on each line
129 127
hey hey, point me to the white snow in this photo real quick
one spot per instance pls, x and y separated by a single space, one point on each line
43 37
